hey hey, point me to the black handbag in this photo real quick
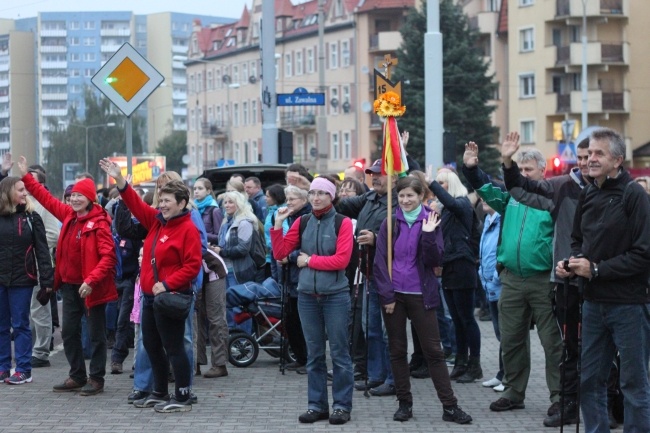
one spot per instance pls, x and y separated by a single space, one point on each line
174 305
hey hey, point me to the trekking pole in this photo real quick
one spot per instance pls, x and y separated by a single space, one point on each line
581 287
357 277
283 329
367 255
564 346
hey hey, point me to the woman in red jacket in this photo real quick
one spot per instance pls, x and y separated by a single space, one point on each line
174 245
85 275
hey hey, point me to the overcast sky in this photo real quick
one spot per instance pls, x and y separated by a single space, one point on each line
30 8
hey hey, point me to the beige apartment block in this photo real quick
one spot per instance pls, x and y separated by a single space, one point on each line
225 83
545 60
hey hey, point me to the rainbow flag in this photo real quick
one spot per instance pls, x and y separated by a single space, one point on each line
393 157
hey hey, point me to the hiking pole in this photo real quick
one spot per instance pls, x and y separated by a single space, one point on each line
283 329
357 277
581 288
564 346
367 254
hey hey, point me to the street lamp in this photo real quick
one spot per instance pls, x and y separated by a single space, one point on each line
101 125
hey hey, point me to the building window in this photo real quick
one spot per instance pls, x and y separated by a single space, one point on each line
255 151
347 144
345 98
334 55
236 153
335 146
89 25
74 25
299 69
75 57
209 84
89 57
277 69
527 85
89 72
345 54
287 65
311 143
253 112
338 8
526 40
89 42
527 128
335 103
526 2
492 5
235 114
310 61
244 73
300 148
235 74
192 85
199 82
254 69
244 114
74 40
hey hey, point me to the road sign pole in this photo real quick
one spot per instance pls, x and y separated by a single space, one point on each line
129 145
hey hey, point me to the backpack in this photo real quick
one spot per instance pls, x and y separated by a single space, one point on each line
258 249
338 220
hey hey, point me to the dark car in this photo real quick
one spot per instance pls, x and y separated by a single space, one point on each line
269 174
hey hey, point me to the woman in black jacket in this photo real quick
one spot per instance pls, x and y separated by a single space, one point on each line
23 246
459 273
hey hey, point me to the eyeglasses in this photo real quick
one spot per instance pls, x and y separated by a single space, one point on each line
289 199
344 190
317 193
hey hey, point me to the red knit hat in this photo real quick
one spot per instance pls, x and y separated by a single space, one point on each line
86 187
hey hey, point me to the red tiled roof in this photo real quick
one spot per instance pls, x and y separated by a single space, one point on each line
283 8
502 26
245 20
369 5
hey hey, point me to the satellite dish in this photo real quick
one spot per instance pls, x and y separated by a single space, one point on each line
252 79
186 159
334 102
226 79
366 107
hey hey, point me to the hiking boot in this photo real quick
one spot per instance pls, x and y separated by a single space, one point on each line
460 367
151 400
173 405
504 404
405 411
422 372
311 416
383 390
68 385
4 375
553 409
19 377
339 416
455 414
136 395
213 372
92 387
116 368
473 372
39 363
570 415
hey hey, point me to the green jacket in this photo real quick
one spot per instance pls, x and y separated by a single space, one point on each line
526 244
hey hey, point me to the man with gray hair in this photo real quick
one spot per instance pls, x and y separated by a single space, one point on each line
610 249
524 259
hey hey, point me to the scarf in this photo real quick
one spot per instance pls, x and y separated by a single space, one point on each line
204 203
412 216
319 213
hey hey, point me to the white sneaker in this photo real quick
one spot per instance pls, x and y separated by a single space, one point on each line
499 388
491 383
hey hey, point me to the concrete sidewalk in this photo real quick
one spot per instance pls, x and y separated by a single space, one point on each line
260 399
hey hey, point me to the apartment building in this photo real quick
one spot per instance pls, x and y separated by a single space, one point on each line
545 61
63 50
225 86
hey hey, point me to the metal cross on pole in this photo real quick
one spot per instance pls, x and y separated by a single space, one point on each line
387 64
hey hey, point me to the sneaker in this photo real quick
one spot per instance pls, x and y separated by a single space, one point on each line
4 375
361 385
293 366
383 390
116 368
301 370
570 415
92 387
173 405
450 360
193 398
68 385
499 388
151 400
214 372
422 372
455 414
339 416
136 395
491 383
405 411
38 363
504 404
19 377
311 416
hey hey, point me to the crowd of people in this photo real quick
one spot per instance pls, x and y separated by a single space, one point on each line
568 256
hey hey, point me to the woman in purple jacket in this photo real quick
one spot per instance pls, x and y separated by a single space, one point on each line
412 293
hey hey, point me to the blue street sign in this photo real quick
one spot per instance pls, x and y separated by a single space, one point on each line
300 96
225 162
567 152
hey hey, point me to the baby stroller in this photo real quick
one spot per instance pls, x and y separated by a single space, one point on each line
262 303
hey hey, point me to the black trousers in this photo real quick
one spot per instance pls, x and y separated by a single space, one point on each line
294 331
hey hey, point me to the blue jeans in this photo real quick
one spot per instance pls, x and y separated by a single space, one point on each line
378 355
247 325
15 304
111 316
85 338
124 331
468 334
325 318
143 377
607 328
445 325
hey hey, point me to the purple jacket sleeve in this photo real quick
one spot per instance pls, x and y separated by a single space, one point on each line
432 248
380 270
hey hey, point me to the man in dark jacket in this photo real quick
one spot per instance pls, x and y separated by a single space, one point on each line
611 250
370 211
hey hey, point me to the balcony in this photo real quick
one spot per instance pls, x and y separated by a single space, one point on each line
598 53
56 33
179 80
4 66
213 129
54 112
598 101
298 121
54 96
179 49
573 8
109 48
385 41
5 145
4 98
484 22
4 114
4 83
179 111
54 65
180 96
54 80
115 32
53 49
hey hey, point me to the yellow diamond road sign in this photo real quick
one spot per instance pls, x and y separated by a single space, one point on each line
127 79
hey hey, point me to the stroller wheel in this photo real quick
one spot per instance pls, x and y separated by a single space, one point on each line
243 349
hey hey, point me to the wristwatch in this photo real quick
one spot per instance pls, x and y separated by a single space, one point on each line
594 270
307 260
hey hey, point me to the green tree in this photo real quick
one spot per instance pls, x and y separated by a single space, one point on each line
174 147
466 87
68 143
